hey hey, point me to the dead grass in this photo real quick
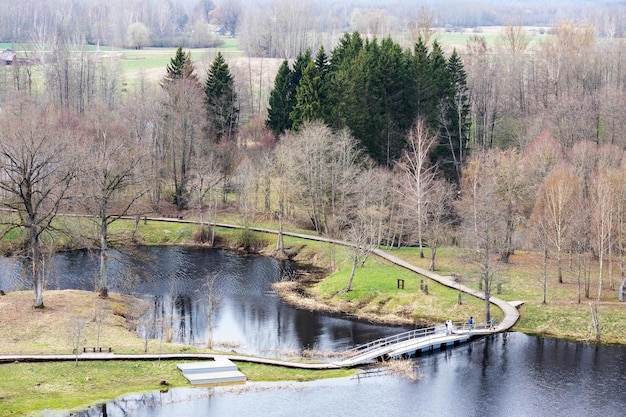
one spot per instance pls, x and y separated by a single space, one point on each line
405 368
53 329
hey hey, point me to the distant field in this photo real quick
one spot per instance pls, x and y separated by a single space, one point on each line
458 39
149 61
153 61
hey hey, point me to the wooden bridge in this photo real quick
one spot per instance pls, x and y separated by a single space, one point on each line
412 343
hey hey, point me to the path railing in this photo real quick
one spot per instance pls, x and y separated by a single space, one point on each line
377 344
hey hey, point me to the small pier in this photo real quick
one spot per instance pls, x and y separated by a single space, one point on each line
220 371
413 342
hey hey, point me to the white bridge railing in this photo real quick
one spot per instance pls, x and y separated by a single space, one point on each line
377 344
428 332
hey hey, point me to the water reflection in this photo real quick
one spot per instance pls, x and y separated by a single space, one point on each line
197 294
505 375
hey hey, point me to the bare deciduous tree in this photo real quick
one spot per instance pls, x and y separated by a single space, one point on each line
113 177
370 215
484 226
327 165
419 176
228 14
36 170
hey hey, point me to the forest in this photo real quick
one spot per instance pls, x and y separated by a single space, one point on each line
379 139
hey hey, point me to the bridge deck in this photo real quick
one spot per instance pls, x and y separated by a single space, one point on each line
411 343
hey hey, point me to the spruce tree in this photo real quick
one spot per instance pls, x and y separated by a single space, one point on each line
342 61
364 100
425 101
457 114
280 108
181 126
308 100
443 155
221 99
180 67
398 110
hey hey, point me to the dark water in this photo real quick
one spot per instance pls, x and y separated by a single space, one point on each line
179 282
505 375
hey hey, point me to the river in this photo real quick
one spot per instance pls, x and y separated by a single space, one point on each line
509 374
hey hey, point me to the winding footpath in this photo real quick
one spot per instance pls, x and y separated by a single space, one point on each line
511 314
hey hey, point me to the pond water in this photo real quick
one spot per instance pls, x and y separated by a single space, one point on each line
177 282
504 375
508 374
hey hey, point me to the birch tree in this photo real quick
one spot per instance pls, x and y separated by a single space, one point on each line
419 176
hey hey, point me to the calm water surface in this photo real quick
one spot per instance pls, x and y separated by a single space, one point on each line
177 283
505 375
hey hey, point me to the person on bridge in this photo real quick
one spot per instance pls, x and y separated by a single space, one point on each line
471 322
448 327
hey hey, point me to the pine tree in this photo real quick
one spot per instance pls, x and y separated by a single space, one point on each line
280 108
221 99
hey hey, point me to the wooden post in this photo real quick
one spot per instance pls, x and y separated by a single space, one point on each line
400 283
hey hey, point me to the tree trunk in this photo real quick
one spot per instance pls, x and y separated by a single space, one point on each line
103 291
545 274
38 283
355 261
433 252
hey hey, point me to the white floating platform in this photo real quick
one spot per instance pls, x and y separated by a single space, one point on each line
218 372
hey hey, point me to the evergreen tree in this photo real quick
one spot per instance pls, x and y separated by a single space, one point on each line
180 127
457 116
300 64
180 67
322 63
346 51
221 99
425 102
396 104
279 111
340 79
308 97
289 92
363 100
444 154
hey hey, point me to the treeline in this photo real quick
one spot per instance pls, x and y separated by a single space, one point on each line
377 91
277 28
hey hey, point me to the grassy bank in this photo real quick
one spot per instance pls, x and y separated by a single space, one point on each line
27 388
